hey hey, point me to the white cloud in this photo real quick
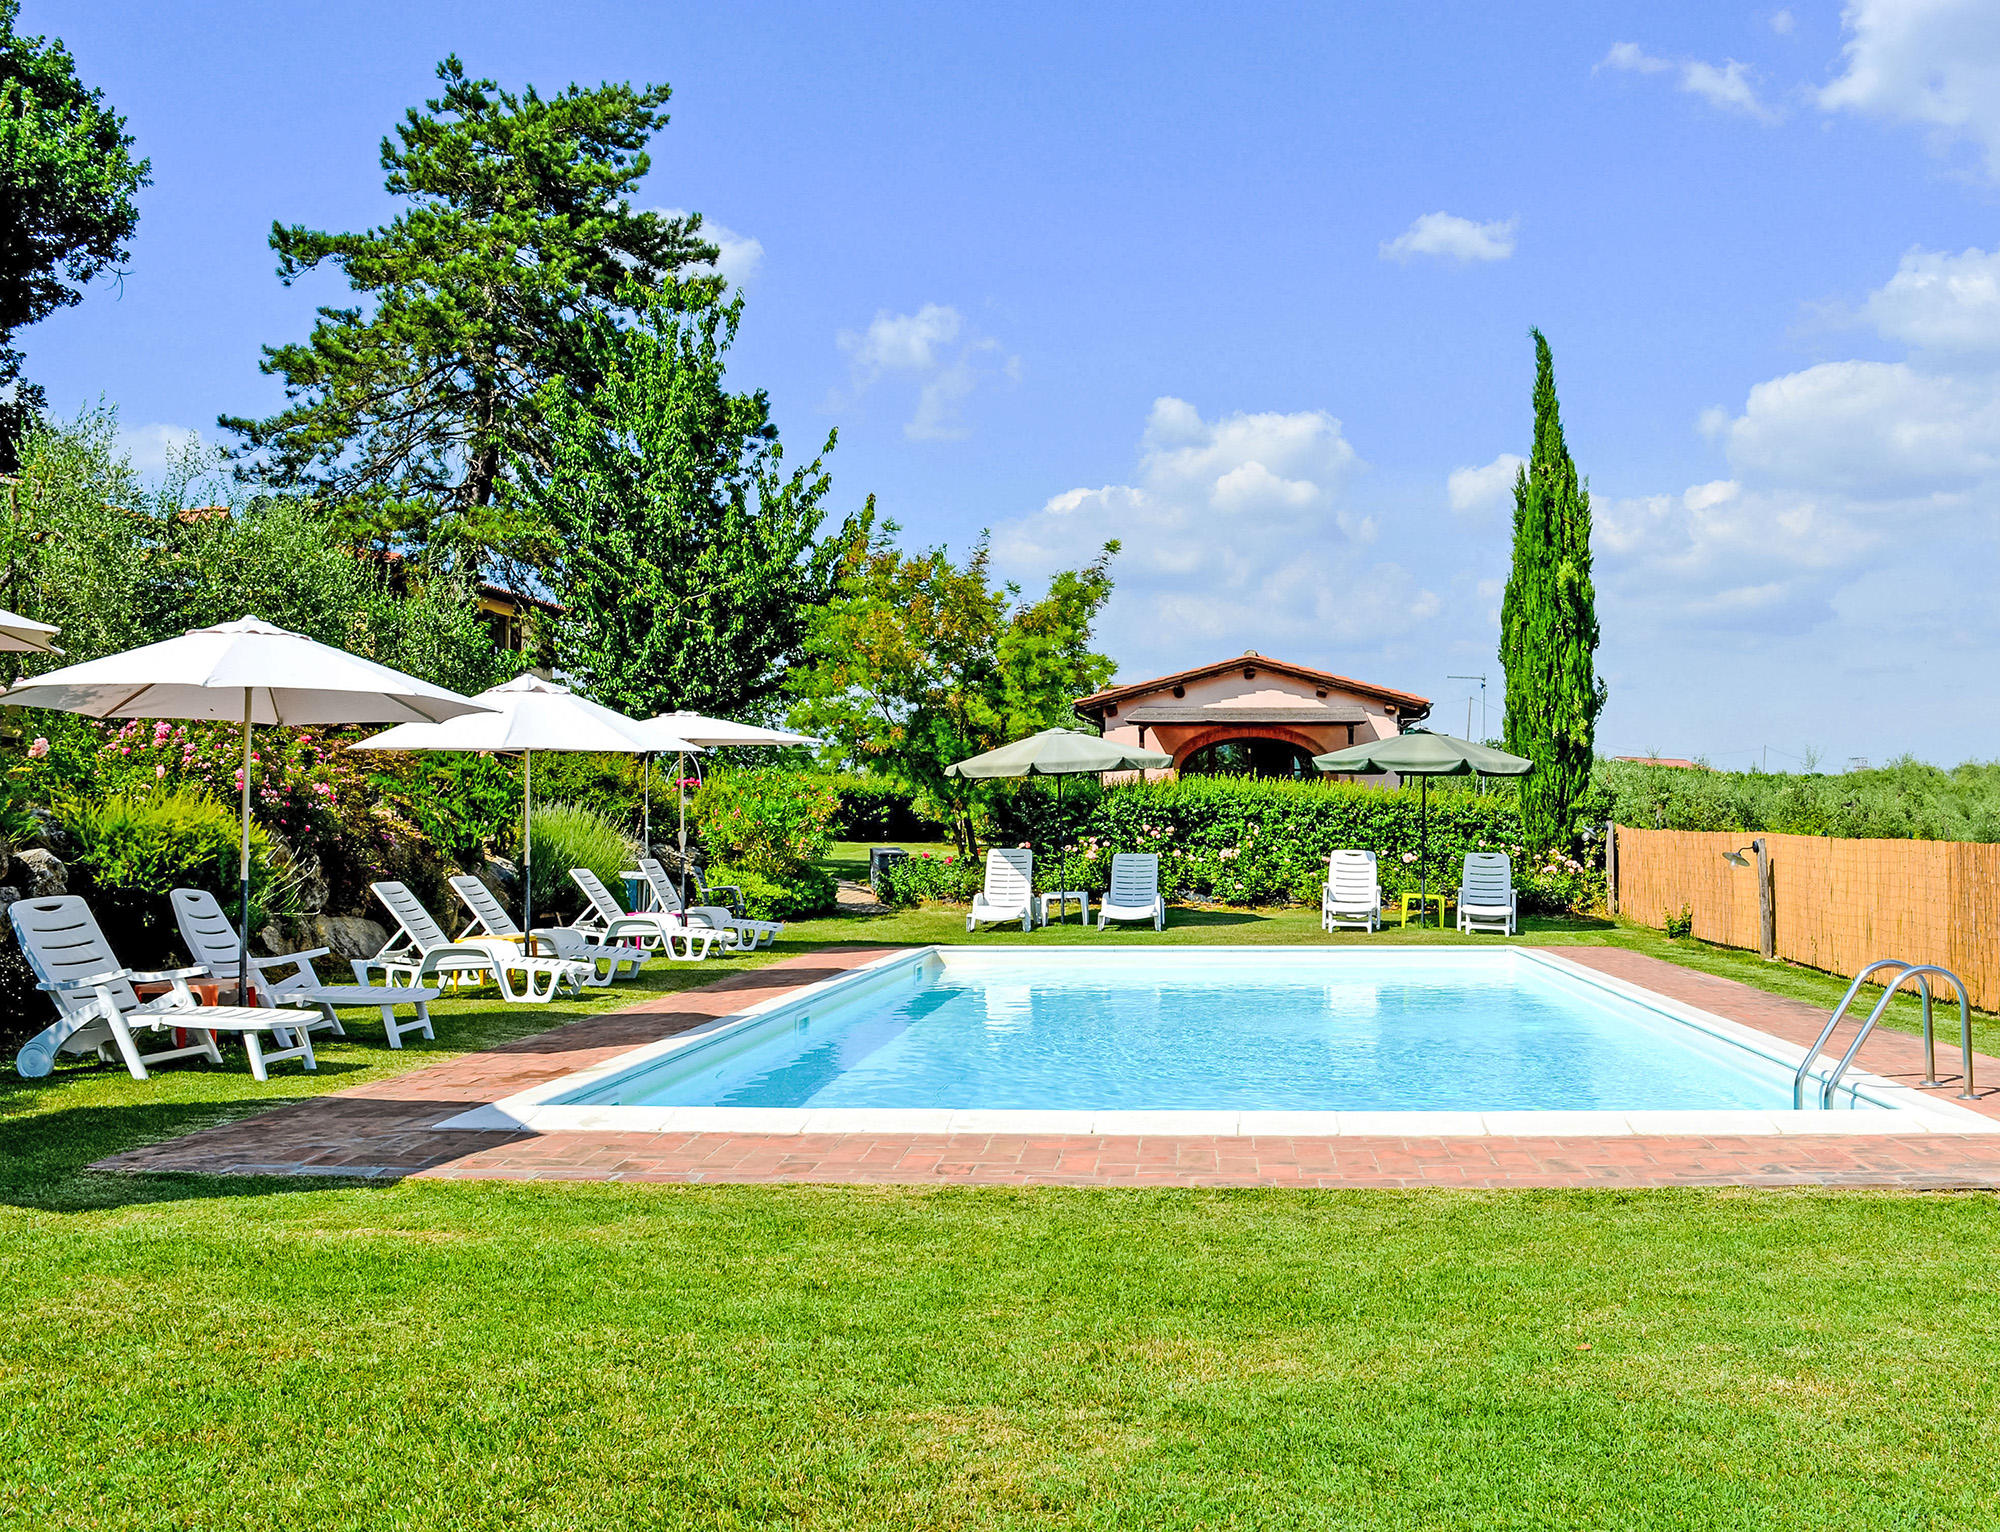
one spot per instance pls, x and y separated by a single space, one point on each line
1940 301
740 254
1726 85
1837 471
152 450
1234 526
1783 22
935 347
1932 62
1481 491
1449 237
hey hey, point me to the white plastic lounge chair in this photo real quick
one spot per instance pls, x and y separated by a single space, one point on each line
744 935
420 950
1009 893
1353 892
211 941
682 942
1486 898
98 1009
490 918
1135 890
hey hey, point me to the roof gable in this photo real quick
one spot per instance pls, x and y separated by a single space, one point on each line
1406 702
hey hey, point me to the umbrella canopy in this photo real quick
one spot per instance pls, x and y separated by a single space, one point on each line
528 714
1056 753
209 672
1422 754
248 670
23 634
720 732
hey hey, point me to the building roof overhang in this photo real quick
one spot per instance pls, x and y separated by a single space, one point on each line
1408 705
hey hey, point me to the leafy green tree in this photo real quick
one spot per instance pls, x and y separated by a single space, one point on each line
409 420
67 210
1548 625
918 662
85 545
687 556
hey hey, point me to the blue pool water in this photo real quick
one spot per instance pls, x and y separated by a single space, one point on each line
1291 1029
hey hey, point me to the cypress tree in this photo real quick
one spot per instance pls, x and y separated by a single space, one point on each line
1548 625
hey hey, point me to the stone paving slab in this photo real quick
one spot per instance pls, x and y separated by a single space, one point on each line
384 1130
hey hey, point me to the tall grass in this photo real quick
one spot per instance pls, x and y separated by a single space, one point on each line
566 835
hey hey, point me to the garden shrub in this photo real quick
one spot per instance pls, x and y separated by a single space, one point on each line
773 823
132 850
804 893
948 879
566 835
1905 800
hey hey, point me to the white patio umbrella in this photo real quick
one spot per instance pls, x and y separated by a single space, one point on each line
24 635
524 715
249 670
710 734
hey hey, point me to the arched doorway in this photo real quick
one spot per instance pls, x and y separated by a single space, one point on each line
1250 756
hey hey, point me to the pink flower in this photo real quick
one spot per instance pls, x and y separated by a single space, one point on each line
38 749
161 730
159 771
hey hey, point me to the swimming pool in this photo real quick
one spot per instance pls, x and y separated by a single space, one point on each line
1233 1040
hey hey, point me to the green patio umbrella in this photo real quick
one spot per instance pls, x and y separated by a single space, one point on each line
1421 754
1057 753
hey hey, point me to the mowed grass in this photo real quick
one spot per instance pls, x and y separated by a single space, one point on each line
471 1356
216 1353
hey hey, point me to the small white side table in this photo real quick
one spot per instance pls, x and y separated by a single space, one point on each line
1062 900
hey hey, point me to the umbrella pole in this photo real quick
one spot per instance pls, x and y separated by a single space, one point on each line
1424 848
680 788
527 841
646 814
243 871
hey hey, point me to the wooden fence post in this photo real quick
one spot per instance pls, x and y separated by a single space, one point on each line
1767 904
1611 865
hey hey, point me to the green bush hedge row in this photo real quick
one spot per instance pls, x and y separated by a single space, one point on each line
1244 841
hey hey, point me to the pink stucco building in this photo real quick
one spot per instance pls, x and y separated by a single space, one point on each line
1250 714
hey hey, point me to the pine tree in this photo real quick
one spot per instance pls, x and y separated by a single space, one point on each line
1548 625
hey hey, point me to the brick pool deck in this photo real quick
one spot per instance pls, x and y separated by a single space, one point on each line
385 1131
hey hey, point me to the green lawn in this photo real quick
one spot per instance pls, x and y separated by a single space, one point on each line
198 1352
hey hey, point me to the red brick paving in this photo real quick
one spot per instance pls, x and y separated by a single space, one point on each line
384 1130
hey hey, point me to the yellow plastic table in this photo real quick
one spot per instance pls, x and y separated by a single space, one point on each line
1423 906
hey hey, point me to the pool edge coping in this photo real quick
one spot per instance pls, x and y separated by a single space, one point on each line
534 1110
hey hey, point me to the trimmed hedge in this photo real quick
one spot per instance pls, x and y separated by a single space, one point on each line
1240 840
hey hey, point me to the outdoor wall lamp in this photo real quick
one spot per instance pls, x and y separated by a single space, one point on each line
1767 903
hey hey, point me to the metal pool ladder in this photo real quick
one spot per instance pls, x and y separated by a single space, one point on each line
1921 972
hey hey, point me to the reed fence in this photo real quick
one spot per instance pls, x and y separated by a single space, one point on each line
1837 904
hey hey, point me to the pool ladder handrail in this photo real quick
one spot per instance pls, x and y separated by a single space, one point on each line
1921 972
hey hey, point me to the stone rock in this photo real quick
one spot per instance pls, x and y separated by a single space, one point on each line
41 874
348 936
501 874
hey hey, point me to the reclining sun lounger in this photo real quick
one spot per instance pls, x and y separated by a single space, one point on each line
212 942
1352 895
99 1010
744 935
1009 893
1135 890
420 950
490 918
1486 897
682 942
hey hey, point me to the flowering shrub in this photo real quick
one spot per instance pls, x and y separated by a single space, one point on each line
1241 841
772 823
947 879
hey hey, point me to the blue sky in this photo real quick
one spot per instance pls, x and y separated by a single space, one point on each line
1249 289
